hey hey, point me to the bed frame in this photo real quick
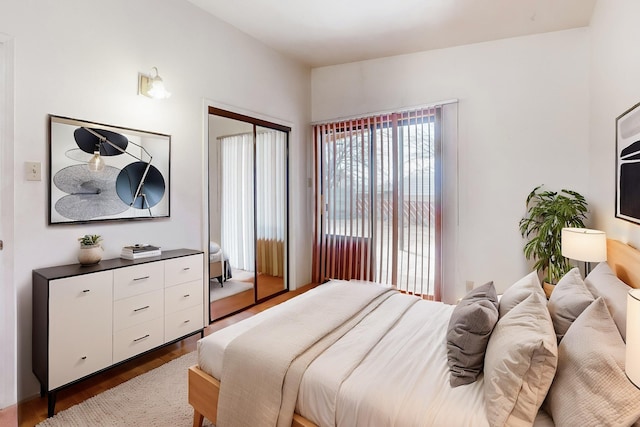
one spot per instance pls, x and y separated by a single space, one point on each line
623 259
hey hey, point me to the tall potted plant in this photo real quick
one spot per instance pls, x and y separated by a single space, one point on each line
548 212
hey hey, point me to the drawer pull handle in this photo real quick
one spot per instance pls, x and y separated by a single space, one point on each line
140 278
186 296
84 358
141 308
187 321
187 268
141 338
86 290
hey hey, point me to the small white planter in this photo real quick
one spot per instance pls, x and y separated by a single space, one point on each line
90 255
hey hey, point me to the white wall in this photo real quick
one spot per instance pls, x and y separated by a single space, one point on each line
8 391
81 59
523 121
615 87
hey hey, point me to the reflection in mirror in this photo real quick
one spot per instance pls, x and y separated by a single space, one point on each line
270 210
248 207
231 220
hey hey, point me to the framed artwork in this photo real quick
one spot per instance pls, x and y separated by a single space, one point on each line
99 172
628 165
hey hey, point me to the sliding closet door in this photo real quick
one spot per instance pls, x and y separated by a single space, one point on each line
248 204
231 216
271 207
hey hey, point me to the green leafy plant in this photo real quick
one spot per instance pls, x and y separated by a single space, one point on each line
89 239
548 212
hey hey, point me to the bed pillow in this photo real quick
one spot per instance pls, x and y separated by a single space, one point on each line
519 291
568 300
468 333
602 282
591 388
520 363
214 248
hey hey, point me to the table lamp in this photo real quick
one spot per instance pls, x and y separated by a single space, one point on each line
584 244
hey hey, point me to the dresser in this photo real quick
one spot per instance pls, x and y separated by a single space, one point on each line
89 318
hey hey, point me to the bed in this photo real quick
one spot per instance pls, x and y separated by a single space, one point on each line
385 358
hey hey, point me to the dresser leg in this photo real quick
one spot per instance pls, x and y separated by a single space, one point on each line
43 390
51 403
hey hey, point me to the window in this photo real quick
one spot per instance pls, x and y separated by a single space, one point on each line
378 192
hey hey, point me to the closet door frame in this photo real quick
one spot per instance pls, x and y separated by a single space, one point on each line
227 112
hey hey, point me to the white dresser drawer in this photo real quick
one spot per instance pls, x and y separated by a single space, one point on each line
137 339
77 359
137 279
80 318
182 296
78 291
183 322
183 269
137 309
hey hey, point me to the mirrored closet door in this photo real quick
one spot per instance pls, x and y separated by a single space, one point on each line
247 211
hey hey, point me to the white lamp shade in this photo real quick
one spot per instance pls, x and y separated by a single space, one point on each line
632 362
584 244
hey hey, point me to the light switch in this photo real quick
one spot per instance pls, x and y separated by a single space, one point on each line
32 171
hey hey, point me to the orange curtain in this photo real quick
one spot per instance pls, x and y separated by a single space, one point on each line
270 257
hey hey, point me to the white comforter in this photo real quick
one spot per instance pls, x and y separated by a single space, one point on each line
390 370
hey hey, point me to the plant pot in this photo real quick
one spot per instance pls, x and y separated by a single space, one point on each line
548 288
90 255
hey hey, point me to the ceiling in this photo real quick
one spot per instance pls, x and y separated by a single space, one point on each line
328 32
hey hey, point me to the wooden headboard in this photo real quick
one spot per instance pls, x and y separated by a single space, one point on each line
624 260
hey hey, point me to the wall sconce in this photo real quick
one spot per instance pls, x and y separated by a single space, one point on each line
152 85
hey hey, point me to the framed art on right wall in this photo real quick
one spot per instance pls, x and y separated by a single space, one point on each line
628 165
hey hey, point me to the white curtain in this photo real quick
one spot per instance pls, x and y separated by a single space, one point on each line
237 200
270 178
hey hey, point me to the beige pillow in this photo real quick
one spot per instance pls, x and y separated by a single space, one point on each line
591 388
520 363
602 282
519 291
468 333
568 300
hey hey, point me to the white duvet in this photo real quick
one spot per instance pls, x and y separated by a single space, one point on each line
389 370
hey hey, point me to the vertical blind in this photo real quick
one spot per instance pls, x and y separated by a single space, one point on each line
377 205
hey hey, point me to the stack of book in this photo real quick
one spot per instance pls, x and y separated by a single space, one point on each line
140 251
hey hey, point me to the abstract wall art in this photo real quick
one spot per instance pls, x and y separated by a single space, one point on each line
628 165
99 172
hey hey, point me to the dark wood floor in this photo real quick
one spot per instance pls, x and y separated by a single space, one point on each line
34 411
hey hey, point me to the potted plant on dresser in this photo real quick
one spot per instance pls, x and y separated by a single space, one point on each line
90 249
548 212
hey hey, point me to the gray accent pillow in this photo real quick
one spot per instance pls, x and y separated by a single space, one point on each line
591 388
568 300
519 291
468 333
520 363
602 282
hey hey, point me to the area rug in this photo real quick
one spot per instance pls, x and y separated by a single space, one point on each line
231 287
156 398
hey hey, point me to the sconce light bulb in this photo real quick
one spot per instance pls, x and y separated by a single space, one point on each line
157 89
96 164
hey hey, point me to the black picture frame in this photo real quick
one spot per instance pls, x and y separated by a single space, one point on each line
133 185
628 165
